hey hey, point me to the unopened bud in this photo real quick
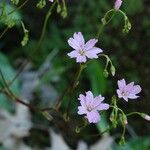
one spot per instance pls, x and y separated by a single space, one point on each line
145 116
113 70
122 141
113 119
125 121
105 73
118 4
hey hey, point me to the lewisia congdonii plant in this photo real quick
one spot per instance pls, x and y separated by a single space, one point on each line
90 106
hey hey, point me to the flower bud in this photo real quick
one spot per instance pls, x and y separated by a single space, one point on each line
118 4
113 119
145 116
105 73
125 121
113 70
122 141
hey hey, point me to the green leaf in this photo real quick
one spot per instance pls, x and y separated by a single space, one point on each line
15 1
95 75
139 143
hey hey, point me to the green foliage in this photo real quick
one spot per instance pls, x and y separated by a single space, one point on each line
7 17
133 6
41 4
95 75
139 143
15 1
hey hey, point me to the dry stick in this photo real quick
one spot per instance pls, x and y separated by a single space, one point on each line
10 94
38 45
16 99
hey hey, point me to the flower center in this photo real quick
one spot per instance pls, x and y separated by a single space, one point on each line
89 109
125 93
81 52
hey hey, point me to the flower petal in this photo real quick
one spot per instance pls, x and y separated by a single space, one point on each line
132 96
82 99
125 98
79 37
129 86
73 54
93 53
81 110
93 117
136 89
89 95
97 102
74 44
90 44
81 59
119 93
103 106
89 98
121 84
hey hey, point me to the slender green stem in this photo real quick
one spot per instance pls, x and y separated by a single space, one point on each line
44 26
23 26
73 86
103 24
100 30
118 109
79 129
59 101
133 113
70 88
77 78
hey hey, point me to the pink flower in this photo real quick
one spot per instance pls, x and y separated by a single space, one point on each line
126 91
51 0
83 50
118 4
90 106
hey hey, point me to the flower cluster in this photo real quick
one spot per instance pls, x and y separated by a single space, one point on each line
90 105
